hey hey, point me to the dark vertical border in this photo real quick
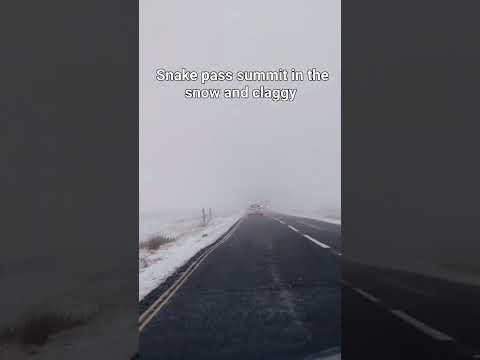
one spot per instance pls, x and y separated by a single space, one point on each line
69 159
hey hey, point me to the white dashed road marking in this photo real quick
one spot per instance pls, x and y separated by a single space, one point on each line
436 334
426 329
367 295
315 241
319 243
419 325
294 229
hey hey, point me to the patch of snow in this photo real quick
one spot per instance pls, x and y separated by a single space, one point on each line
157 266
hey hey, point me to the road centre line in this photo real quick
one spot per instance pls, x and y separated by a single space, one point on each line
280 221
367 295
315 241
419 325
294 229
319 243
436 334
426 329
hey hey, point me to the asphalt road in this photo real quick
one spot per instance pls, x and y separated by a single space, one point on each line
389 314
273 290
268 292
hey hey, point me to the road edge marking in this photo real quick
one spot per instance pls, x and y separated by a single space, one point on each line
163 299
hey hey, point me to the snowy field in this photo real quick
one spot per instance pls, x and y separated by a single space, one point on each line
156 266
173 223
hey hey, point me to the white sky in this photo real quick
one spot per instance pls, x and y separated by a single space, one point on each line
223 153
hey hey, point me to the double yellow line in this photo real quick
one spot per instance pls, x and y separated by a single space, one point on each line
163 299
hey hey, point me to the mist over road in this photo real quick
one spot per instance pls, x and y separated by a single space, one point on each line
270 291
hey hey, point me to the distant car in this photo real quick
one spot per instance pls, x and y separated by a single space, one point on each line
255 209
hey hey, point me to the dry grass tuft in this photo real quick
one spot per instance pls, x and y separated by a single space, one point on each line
39 327
155 241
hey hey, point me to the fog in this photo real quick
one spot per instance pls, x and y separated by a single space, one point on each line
226 154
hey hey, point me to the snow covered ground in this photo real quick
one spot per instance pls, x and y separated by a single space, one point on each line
173 223
330 217
192 236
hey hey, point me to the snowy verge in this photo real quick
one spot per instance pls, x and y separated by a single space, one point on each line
157 266
325 219
315 216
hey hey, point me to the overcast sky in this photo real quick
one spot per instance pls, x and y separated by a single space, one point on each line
223 153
